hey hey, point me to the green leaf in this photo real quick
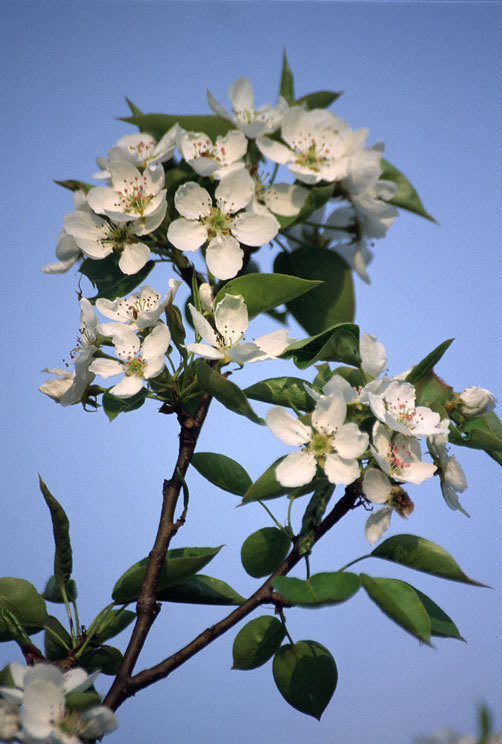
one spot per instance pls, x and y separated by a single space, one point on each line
432 389
320 589
313 515
52 592
13 627
73 185
113 405
406 196
158 124
114 623
306 675
482 432
262 292
54 649
400 602
110 282
264 550
442 626
256 642
422 369
180 564
201 589
422 555
81 701
106 659
330 303
287 88
268 487
63 559
133 107
319 99
222 471
282 391
337 344
229 394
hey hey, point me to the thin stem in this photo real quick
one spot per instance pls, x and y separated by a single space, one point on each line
75 610
56 636
68 612
307 566
283 621
279 525
281 246
356 560
274 173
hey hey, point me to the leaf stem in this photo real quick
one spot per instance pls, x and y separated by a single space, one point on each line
356 560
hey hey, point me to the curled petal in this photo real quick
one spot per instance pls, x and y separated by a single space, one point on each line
203 328
377 524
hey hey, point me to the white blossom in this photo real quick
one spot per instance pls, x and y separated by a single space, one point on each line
139 149
399 456
219 159
58 386
476 401
140 310
327 441
396 408
253 122
451 475
67 250
9 720
378 489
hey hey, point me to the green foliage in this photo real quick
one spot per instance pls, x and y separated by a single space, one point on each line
73 185
313 515
337 344
287 88
57 640
180 564
268 487
264 550
158 124
441 625
282 391
400 602
113 405
306 676
328 304
81 701
105 659
421 370
108 279
201 589
406 196
222 471
317 198
481 432
319 99
63 558
263 292
422 555
114 623
431 389
257 642
52 592
320 589
229 394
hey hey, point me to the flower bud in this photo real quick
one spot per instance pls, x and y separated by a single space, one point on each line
206 297
476 401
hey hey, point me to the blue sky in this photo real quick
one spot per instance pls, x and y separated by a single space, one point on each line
422 77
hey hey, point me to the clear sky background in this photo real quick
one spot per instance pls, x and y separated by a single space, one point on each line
425 78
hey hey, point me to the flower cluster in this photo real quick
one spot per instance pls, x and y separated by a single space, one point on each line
35 709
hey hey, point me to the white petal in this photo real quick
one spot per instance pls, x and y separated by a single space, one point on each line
287 427
350 442
241 95
338 384
224 257
274 344
377 524
192 201
231 318
329 413
275 151
203 350
98 721
373 357
254 229
134 257
296 469
376 486
202 326
156 343
285 199
106 367
234 191
186 235
341 471
127 387
218 109
151 221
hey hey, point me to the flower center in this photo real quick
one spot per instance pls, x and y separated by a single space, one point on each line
312 152
394 458
144 149
142 305
217 223
244 116
118 236
70 723
134 198
320 445
135 367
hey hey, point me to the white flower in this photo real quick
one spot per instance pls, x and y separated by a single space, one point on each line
253 122
379 490
329 442
9 720
399 456
373 356
133 195
220 225
67 250
231 321
476 401
140 361
140 310
319 145
396 408
450 471
139 149
283 199
206 297
57 387
218 160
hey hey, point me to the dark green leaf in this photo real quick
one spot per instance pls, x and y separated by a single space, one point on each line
82 700
422 369
282 391
337 344
52 593
432 389
330 303
13 627
482 432
201 589
422 555
319 99
63 559
267 486
262 292
264 550
113 405
287 88
441 625
256 642
320 589
406 196
313 515
158 124
222 471
74 185
114 623
106 659
306 675
56 648
180 564
231 396
110 282
133 107
400 602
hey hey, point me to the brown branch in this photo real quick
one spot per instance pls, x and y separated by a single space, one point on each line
263 595
147 607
